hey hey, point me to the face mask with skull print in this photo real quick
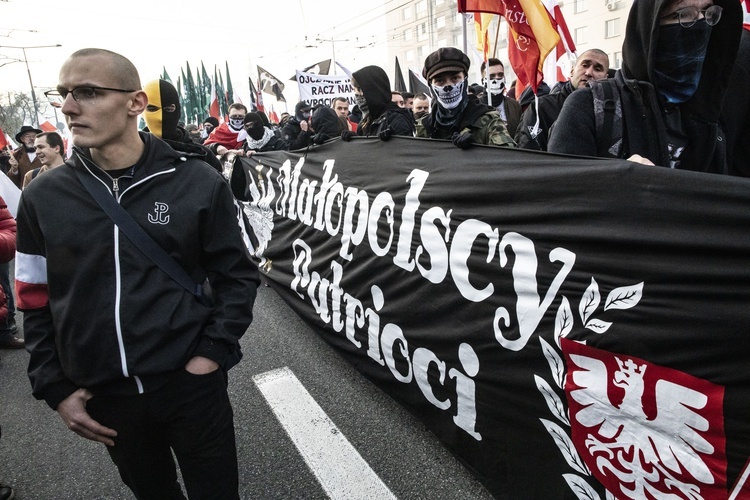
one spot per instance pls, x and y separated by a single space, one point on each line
495 85
449 96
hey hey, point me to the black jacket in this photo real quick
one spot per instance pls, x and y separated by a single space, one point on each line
182 142
275 143
97 312
735 115
383 112
400 121
644 113
294 136
549 109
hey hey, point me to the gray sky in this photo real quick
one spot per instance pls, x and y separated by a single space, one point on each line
167 33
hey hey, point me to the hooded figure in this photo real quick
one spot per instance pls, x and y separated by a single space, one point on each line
325 121
736 117
162 117
673 82
296 132
209 124
372 90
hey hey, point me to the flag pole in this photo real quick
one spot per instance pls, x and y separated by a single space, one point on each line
465 36
497 36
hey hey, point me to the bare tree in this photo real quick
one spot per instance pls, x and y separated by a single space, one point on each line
16 108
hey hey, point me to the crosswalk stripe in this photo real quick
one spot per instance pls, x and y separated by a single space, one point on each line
340 469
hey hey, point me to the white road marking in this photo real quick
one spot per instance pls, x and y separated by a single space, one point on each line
740 487
340 469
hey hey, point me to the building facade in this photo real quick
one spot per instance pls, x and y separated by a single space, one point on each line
418 27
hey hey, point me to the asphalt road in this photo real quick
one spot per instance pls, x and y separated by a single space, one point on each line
44 460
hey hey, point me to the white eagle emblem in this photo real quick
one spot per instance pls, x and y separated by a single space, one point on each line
259 212
650 457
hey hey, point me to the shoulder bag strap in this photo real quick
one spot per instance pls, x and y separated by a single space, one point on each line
138 236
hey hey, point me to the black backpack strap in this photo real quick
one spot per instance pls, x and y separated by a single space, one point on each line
138 236
35 172
608 114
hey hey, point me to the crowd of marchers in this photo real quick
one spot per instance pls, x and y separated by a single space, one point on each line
679 101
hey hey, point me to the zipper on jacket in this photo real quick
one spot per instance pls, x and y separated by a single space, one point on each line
116 187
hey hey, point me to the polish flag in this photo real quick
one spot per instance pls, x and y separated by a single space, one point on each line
46 126
3 139
213 108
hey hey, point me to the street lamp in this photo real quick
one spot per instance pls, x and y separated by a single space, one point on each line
25 60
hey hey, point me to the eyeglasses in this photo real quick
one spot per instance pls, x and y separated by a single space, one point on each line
80 94
688 16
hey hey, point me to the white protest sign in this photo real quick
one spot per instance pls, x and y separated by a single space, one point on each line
322 89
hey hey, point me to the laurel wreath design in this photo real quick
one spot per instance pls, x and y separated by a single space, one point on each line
620 298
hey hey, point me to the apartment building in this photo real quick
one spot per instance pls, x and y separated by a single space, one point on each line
417 27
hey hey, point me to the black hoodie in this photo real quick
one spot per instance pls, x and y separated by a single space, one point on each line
736 112
383 113
644 110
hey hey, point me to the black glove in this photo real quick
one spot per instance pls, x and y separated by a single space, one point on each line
347 135
320 138
462 141
385 134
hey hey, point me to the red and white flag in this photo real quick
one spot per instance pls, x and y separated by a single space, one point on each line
213 107
46 126
3 139
558 64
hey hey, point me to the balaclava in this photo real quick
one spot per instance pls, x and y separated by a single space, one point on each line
209 124
163 111
679 59
254 126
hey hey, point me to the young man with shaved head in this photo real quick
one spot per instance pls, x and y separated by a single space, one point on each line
126 355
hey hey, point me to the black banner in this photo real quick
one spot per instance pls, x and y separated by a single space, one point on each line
568 327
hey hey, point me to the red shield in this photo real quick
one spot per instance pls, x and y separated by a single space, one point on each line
643 430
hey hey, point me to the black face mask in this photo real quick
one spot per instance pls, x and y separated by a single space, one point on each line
497 99
680 53
254 130
362 103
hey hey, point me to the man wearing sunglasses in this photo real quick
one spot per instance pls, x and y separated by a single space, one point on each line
663 106
126 355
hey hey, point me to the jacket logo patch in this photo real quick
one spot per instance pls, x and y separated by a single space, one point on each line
160 216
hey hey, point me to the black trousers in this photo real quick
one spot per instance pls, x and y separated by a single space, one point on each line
191 416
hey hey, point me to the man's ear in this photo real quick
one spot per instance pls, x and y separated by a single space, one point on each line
138 103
